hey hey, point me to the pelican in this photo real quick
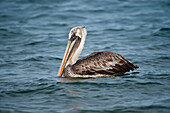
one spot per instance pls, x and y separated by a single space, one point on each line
97 64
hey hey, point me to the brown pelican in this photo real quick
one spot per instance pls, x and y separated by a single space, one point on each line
98 64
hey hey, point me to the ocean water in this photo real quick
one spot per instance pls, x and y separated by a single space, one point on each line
33 38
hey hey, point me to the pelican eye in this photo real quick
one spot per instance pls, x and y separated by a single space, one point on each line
73 37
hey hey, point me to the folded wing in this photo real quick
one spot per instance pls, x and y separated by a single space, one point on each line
103 63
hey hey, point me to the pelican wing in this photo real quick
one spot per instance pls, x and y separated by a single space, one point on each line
103 63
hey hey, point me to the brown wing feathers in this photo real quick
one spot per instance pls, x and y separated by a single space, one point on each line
103 63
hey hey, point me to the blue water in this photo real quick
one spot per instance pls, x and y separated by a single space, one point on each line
33 38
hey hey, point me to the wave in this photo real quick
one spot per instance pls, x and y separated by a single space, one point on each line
160 47
163 32
39 16
164 29
34 43
41 58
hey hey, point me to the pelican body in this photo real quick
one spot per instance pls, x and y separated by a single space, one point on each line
98 64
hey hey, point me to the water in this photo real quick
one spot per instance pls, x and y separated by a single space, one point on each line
33 37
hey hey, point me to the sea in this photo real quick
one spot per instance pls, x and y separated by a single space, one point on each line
33 38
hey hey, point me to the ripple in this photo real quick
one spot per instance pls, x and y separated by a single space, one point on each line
118 29
33 36
98 84
149 83
40 58
56 24
39 16
164 29
33 88
159 47
34 43
164 57
162 32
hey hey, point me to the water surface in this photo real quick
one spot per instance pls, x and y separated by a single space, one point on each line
33 37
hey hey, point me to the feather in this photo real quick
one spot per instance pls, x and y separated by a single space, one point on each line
103 63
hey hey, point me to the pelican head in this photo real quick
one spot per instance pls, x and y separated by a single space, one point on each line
74 47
